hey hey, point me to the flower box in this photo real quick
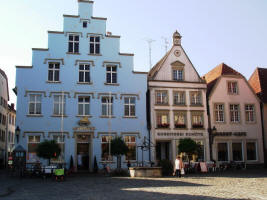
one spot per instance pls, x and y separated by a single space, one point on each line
197 125
180 126
163 125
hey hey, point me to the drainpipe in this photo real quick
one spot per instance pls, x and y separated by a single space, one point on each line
148 123
263 139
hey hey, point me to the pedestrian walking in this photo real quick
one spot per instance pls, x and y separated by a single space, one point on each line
178 166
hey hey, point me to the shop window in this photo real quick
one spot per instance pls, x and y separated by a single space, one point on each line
251 151
131 143
222 149
237 151
33 142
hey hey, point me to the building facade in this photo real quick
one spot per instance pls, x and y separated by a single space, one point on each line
258 82
11 128
234 115
177 104
3 116
84 88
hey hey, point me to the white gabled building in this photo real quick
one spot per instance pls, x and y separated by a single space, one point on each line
235 117
177 104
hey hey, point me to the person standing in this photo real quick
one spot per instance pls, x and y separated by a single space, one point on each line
178 166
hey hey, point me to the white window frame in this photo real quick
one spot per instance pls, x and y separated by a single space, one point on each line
109 106
54 70
233 112
218 112
200 119
94 43
196 98
111 73
178 74
250 112
180 96
131 106
109 138
35 102
33 142
59 103
73 42
84 71
163 96
159 115
83 104
232 87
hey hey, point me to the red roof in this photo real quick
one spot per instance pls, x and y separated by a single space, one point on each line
212 76
258 82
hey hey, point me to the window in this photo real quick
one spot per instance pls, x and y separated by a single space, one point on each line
178 74
180 119
162 97
129 106
84 106
13 120
197 120
250 113
111 76
179 98
4 119
222 151
73 43
163 120
60 139
232 88
3 135
105 142
59 104
251 151
33 142
201 152
107 106
35 104
9 118
131 144
195 98
95 45
219 112
0 118
53 72
237 151
84 24
234 113
84 73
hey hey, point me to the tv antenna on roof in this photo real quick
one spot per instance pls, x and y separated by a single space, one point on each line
166 43
149 41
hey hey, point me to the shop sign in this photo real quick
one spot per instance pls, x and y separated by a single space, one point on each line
177 134
238 134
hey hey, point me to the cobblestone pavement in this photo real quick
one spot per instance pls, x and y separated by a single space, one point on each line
249 184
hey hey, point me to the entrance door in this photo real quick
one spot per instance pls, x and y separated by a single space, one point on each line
163 150
83 156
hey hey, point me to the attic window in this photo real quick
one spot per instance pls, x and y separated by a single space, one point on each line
84 24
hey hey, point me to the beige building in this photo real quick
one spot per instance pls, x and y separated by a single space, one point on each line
177 104
258 81
235 119
11 127
4 97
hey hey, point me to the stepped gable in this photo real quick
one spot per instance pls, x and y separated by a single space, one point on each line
212 76
258 82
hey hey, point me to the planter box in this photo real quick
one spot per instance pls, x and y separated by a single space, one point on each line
145 171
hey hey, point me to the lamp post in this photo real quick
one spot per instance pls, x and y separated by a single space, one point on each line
17 132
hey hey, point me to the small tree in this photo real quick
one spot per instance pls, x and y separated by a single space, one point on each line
118 148
48 149
188 146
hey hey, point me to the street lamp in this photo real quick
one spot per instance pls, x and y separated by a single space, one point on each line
17 132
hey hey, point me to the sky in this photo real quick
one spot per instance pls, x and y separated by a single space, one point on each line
213 31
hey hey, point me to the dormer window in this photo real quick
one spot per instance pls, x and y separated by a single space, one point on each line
232 87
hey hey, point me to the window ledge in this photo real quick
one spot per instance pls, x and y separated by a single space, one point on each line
85 83
32 115
164 128
237 123
130 117
182 105
104 116
197 128
89 116
59 116
112 84
196 105
157 104
92 54
53 81
72 53
180 128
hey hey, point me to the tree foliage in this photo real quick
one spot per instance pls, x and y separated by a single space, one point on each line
48 149
118 148
188 146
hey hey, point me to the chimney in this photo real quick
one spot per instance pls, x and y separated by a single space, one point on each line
85 9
